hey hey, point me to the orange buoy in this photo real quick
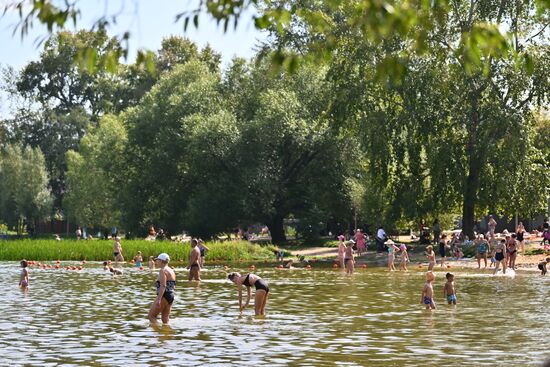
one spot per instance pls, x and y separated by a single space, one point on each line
74 267
448 266
66 268
141 268
80 268
57 266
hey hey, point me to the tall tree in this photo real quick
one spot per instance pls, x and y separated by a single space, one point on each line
93 175
23 182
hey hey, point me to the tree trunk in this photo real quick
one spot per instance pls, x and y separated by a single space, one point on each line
276 227
472 181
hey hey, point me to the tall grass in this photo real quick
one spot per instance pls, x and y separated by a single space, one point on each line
100 250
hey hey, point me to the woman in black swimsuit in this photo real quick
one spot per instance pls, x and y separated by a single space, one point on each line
166 283
500 256
520 231
262 291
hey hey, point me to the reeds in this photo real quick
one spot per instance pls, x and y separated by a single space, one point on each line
100 250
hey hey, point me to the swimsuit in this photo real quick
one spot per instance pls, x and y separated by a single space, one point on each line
194 265
259 284
499 256
203 252
451 298
138 264
482 248
116 253
427 301
519 236
442 249
168 291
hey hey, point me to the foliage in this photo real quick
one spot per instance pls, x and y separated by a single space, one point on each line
373 20
23 183
100 250
92 181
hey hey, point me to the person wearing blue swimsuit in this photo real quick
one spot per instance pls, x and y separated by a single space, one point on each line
165 284
262 291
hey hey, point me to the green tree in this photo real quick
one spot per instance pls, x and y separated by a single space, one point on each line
23 181
93 175
297 163
158 179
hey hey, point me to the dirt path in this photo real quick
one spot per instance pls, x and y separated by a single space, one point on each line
317 251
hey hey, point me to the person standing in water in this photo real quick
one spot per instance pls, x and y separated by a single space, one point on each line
117 250
427 297
449 291
341 251
24 276
138 259
404 257
349 258
511 250
203 250
262 291
392 249
166 283
482 248
194 261
499 253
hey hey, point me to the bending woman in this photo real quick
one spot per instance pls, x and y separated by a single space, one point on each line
166 283
249 280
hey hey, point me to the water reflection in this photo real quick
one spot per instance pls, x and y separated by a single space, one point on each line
314 318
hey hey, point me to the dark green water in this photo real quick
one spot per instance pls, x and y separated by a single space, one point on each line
314 318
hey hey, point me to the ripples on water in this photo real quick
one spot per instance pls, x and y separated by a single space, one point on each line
315 318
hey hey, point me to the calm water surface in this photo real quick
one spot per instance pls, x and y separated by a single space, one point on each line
315 318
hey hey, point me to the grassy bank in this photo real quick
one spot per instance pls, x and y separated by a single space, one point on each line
99 250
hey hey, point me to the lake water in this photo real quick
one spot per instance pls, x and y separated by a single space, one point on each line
314 318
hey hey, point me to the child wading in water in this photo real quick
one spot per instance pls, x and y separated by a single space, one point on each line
24 278
427 297
430 254
449 289
138 259
542 266
391 254
404 257
341 251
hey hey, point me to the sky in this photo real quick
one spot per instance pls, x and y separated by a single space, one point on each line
149 21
